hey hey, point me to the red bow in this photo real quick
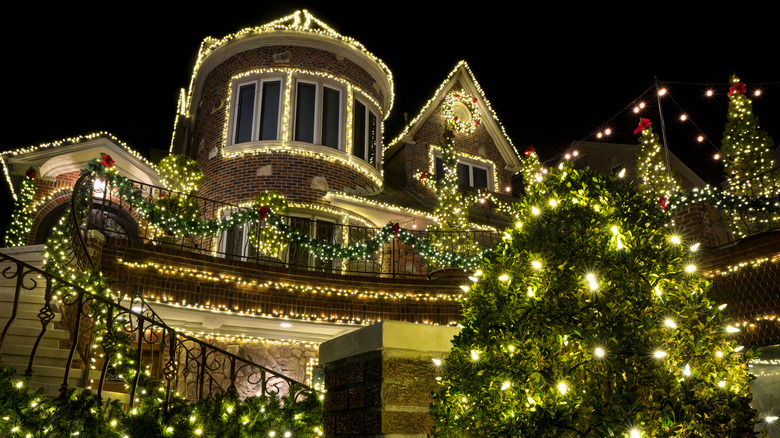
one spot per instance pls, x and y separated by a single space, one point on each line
107 161
474 99
264 211
423 176
476 122
662 202
32 175
529 150
644 123
737 88
396 228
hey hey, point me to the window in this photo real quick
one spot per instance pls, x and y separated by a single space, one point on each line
317 114
257 110
469 175
364 135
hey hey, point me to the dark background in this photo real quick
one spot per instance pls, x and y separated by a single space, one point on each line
553 74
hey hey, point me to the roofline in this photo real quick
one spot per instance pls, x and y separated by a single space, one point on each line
491 123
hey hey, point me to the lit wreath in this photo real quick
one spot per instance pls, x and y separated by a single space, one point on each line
461 112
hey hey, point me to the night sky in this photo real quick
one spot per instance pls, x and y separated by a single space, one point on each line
553 76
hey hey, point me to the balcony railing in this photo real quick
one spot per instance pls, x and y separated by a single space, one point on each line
115 217
188 366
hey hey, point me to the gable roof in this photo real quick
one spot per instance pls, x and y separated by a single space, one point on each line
462 74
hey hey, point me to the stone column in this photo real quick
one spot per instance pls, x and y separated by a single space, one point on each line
379 379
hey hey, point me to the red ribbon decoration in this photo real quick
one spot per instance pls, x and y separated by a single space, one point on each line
737 88
264 210
396 227
529 150
107 161
662 202
32 175
476 122
474 100
644 123
423 176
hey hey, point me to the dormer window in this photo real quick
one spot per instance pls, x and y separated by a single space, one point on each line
364 134
257 110
318 110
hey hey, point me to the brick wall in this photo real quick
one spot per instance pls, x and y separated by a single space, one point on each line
478 143
236 179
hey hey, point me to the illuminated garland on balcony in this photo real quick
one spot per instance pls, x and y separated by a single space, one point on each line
180 224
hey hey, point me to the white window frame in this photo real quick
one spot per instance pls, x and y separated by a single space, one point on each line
318 110
377 146
258 82
471 164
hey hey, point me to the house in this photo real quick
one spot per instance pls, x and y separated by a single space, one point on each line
295 108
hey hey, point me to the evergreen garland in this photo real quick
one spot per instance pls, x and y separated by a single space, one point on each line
22 216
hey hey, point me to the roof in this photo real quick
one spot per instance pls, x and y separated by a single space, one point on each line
462 74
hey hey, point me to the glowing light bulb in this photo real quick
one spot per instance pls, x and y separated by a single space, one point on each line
474 355
671 324
562 387
690 268
662 91
505 386
675 240
504 277
437 362
592 284
599 352
709 92
537 265
683 117
687 370
535 211
700 138
635 433
659 354
695 247
730 329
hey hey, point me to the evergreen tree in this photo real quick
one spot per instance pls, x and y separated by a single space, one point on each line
588 320
746 149
655 180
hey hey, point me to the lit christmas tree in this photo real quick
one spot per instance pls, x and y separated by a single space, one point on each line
588 320
532 168
746 149
451 216
655 181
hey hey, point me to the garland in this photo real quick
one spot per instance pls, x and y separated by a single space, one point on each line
470 102
22 216
188 224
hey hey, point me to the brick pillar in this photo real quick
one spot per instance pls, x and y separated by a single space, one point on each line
379 379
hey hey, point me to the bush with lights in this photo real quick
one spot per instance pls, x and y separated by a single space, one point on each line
746 149
589 320
532 169
22 216
656 182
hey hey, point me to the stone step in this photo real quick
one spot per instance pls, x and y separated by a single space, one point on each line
30 254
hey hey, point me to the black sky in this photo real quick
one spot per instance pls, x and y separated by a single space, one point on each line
553 74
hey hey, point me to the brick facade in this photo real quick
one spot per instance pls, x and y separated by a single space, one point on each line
235 179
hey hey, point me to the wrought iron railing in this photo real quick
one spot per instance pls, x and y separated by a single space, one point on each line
187 365
115 217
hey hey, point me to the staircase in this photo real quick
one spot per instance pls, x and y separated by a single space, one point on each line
52 352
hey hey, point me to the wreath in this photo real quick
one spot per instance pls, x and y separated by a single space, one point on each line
461 112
